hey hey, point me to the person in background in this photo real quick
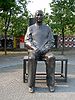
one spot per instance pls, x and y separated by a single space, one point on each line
39 40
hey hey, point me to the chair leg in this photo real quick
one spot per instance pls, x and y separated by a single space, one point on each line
24 70
66 71
61 68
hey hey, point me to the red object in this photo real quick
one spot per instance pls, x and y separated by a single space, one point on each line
22 39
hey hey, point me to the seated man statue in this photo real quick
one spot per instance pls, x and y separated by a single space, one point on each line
39 40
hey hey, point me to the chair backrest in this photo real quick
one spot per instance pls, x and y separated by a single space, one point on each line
31 21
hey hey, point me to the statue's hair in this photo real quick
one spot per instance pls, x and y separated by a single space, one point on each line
38 11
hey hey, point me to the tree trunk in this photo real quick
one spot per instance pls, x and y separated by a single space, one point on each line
5 43
62 52
7 22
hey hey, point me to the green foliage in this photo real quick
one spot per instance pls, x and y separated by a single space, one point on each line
5 14
18 19
47 19
19 25
5 5
63 16
1 26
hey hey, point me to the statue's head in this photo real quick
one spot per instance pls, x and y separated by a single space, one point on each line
39 16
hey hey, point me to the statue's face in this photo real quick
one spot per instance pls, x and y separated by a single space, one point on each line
39 16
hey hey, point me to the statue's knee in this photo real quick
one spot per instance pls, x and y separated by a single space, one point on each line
51 57
32 57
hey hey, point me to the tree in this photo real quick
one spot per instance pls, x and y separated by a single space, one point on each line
14 17
63 16
5 12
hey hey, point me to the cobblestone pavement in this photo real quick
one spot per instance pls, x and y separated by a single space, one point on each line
13 88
